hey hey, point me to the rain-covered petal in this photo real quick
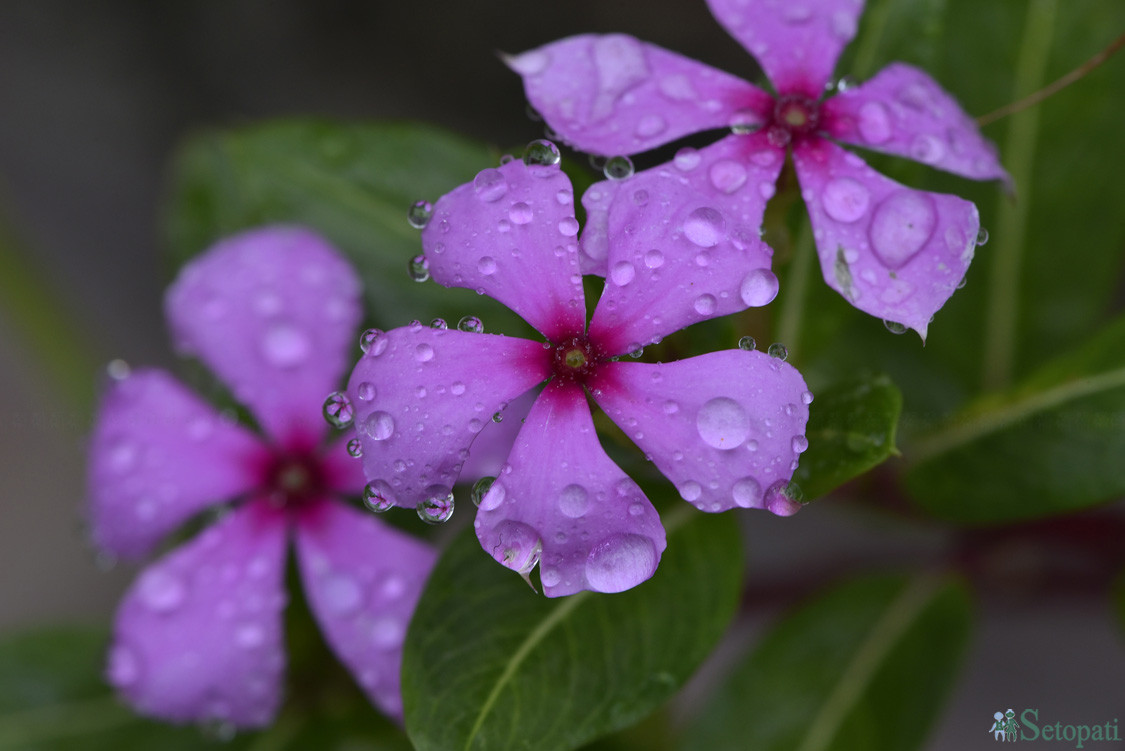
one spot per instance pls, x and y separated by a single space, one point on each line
903 111
797 42
681 242
612 94
562 503
727 428
273 313
428 393
891 251
511 234
198 635
363 580
158 455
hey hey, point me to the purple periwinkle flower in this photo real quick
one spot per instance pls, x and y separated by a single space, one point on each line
198 635
891 251
726 428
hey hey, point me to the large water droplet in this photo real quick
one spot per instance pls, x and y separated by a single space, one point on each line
355 448
480 489
723 423
471 324
704 305
419 214
378 497
747 493
493 496
520 213
437 508
568 226
686 159
747 344
759 288
366 391
895 327
727 175
620 562
372 342
285 346
423 352
705 227
654 259
800 444
418 269
622 273
338 410
778 351
845 199
574 501
618 168
161 592
486 265
542 153
490 185
379 425
518 546
875 123
901 226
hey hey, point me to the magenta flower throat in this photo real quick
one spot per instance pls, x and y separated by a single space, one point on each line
198 635
891 251
726 428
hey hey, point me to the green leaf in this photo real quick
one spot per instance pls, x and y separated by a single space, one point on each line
1051 445
352 182
865 666
851 429
489 664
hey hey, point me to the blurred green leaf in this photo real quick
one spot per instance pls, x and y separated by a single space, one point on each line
865 666
851 429
1050 445
352 182
489 664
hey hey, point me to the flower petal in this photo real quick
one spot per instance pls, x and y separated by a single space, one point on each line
612 94
891 251
363 580
158 455
343 472
490 449
681 241
273 312
726 427
429 393
198 635
511 234
905 112
562 502
796 43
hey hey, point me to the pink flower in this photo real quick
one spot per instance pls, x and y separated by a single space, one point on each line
891 251
198 635
726 428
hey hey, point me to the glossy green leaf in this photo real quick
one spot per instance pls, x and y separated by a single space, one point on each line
851 429
865 666
1051 445
352 182
489 664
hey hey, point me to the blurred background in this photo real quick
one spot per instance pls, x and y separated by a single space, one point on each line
95 96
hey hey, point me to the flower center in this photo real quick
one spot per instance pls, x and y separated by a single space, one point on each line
794 116
293 480
575 360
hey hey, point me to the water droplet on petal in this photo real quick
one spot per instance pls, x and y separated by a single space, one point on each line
705 227
574 500
778 351
759 288
378 497
747 344
520 213
492 494
490 185
498 417
419 214
486 265
342 594
622 273
372 342
620 562
439 323
845 199
927 149
806 397
355 448
651 125
471 324
437 508
800 444
338 410
784 498
901 226
423 352
161 592
542 153
379 425
723 423
285 346
366 391
480 489
518 546
704 305
618 168
727 175
875 123
982 237
654 259
686 159
895 327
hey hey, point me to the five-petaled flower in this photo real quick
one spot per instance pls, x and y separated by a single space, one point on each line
891 251
198 635
726 428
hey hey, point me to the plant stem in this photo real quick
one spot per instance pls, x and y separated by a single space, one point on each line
1007 259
